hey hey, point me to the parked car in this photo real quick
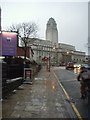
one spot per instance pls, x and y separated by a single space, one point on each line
70 65
86 66
62 64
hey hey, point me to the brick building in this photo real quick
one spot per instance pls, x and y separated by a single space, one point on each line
20 52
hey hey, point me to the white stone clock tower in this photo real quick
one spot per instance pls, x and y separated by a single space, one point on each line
52 32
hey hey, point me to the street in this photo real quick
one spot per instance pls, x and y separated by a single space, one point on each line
68 79
45 97
40 46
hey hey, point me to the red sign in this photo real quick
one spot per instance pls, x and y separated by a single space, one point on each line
45 58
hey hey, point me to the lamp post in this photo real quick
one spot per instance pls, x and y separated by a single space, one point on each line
56 54
49 63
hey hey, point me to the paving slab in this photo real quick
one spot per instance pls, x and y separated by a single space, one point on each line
44 98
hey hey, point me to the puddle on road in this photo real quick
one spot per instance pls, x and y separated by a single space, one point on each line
58 104
36 102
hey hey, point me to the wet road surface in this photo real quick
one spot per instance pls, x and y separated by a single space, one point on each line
43 99
72 86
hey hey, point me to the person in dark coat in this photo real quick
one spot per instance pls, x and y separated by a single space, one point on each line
83 82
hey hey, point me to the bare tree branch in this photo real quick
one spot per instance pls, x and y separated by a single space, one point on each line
25 32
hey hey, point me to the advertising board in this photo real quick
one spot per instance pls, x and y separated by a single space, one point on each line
8 43
28 73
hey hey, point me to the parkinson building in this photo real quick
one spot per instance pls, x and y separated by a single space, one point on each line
52 32
58 52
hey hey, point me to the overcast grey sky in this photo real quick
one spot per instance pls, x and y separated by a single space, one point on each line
71 18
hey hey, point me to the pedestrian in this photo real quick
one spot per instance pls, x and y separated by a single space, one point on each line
84 79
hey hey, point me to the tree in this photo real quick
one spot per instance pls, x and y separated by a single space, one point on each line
25 32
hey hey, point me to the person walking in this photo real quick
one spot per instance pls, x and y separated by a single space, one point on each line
84 79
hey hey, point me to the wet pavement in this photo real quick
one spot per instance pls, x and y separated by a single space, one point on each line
43 99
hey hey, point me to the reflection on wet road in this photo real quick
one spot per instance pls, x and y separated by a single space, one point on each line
76 70
69 80
43 99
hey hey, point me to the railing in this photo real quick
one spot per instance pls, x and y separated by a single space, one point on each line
14 71
12 77
10 86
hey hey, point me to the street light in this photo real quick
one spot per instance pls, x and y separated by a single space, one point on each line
56 53
49 63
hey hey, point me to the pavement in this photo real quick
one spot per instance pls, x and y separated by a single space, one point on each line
43 98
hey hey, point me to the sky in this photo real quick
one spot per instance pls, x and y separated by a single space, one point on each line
71 18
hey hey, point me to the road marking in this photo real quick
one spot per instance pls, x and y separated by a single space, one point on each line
70 80
73 106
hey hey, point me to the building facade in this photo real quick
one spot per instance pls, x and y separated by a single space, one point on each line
50 48
63 54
